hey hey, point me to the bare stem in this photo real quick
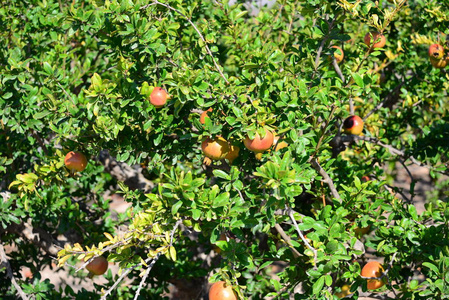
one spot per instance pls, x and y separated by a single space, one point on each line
326 178
325 130
126 272
147 272
287 239
320 49
150 266
338 70
315 252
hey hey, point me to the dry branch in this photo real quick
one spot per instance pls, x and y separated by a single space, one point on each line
4 262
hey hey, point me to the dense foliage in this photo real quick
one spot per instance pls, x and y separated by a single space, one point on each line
78 75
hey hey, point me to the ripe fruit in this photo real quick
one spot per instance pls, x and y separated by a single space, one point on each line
345 291
220 291
373 269
215 149
378 39
365 178
98 266
436 51
338 54
353 125
75 161
438 63
158 97
204 115
436 56
233 153
259 144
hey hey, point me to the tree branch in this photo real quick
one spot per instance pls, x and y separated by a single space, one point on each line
287 239
326 178
315 252
4 262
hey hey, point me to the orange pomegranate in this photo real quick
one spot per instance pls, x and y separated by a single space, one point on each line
353 125
373 269
438 63
259 144
221 291
216 148
75 161
159 97
436 51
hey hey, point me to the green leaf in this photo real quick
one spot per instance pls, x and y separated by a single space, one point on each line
96 80
432 267
413 213
221 200
221 174
276 57
318 285
196 214
42 114
358 80
47 68
176 207
172 252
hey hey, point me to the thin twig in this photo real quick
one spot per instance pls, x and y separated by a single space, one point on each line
287 239
315 252
334 108
4 262
393 191
387 98
150 266
412 192
67 94
338 70
147 272
197 30
326 178
40 141
126 272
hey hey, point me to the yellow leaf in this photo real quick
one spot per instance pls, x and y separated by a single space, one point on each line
109 236
77 247
172 252
142 261
62 252
62 260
